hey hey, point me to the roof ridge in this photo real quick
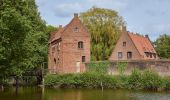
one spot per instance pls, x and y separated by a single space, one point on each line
133 42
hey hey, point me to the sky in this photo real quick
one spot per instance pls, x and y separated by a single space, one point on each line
150 17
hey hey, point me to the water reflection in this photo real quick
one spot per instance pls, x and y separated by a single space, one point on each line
80 94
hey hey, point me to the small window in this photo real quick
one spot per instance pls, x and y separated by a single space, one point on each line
124 44
80 44
154 54
76 29
83 58
55 60
147 54
120 55
150 55
129 55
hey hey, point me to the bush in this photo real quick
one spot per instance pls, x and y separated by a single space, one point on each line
89 80
151 80
98 67
135 80
121 66
122 81
166 82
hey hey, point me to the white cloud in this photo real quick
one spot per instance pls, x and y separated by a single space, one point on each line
41 2
67 9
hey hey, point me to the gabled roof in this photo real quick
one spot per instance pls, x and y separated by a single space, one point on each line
142 44
58 34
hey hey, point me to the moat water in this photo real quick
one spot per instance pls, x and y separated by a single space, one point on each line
80 94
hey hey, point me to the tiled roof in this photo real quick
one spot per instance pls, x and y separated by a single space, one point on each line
143 44
57 34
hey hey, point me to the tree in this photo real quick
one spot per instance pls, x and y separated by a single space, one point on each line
104 27
162 46
23 37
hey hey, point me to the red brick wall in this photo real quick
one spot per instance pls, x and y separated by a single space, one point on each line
124 49
70 53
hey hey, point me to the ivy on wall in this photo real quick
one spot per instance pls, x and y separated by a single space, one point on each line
121 66
98 67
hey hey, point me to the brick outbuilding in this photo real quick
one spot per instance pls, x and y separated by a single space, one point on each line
131 46
69 48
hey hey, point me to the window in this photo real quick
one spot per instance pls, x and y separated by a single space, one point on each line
120 55
80 44
129 55
83 58
55 60
154 54
76 29
150 55
147 54
124 44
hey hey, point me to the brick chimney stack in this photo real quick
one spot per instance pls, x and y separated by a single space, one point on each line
75 15
123 28
147 36
60 26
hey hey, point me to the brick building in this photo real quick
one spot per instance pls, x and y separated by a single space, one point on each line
69 48
132 46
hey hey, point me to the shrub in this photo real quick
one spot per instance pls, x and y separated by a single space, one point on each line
98 67
135 79
109 81
121 66
51 79
151 80
166 82
122 81
89 80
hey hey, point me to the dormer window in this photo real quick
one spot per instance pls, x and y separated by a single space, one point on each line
147 54
76 29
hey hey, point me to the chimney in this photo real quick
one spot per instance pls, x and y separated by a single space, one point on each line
75 15
147 36
60 26
124 28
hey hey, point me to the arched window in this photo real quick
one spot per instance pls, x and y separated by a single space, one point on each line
80 44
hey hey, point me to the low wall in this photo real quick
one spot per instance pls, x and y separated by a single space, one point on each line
162 67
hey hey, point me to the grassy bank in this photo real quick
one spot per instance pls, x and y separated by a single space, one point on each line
137 80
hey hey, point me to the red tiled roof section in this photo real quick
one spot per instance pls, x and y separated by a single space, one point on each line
143 44
57 34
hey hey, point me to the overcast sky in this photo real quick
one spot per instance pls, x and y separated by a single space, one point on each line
150 17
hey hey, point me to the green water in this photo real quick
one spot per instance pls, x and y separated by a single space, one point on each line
80 94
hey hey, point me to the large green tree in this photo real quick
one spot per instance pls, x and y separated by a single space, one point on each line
104 27
162 45
23 37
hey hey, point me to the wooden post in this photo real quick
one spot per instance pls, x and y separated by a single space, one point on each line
16 84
